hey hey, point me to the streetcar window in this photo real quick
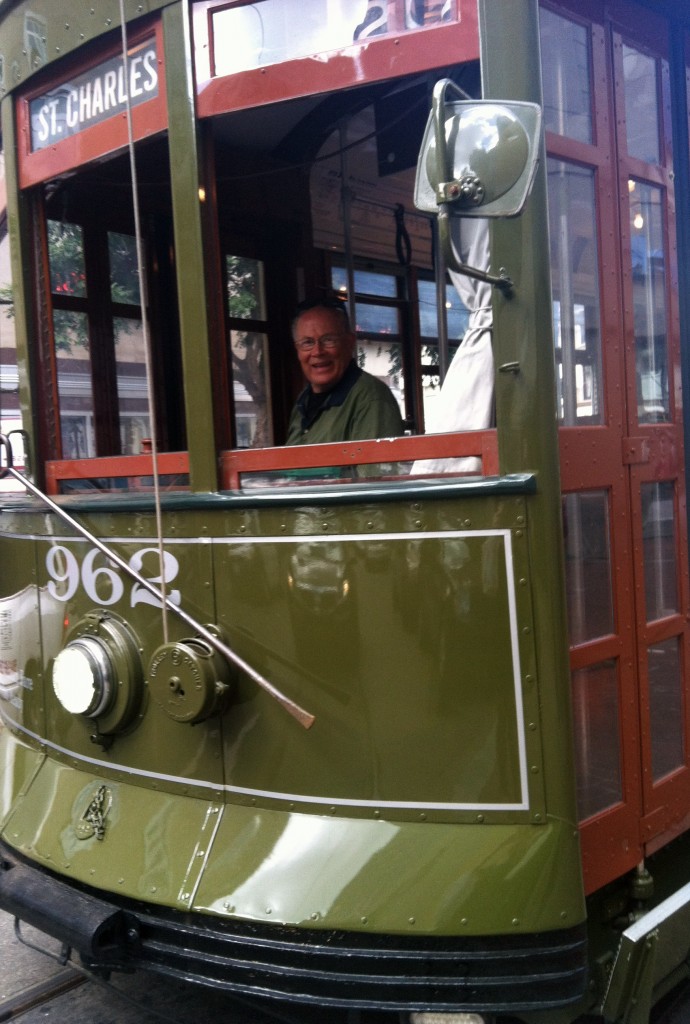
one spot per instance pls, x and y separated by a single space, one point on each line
315 197
99 366
73 363
252 35
72 315
566 76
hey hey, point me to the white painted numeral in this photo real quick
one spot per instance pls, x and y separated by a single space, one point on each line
92 577
103 583
62 567
171 567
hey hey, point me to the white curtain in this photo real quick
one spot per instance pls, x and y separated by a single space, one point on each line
466 400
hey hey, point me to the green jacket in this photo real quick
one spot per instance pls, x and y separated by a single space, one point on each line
359 407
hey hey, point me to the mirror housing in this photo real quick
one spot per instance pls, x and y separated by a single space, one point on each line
479 156
478 159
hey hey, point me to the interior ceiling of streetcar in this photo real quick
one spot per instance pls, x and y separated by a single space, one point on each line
370 134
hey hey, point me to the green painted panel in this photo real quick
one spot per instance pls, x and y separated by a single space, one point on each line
406 629
20 763
407 632
151 847
379 876
35 33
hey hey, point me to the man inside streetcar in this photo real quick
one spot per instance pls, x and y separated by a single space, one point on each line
341 402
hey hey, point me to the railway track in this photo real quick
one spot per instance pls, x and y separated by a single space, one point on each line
39 994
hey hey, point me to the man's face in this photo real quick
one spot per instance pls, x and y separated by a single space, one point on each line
327 360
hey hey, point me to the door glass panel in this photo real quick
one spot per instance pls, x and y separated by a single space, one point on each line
588 566
246 295
457 313
71 339
659 537
649 299
250 385
575 287
372 319
457 322
366 283
379 349
566 77
66 253
246 291
75 394
641 105
130 350
124 272
132 396
597 737
665 707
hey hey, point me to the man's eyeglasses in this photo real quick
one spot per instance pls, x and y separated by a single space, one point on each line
326 341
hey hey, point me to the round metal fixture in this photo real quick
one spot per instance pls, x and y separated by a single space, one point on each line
189 680
98 673
83 677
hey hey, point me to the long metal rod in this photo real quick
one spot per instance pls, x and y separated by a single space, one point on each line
441 314
303 717
143 288
346 200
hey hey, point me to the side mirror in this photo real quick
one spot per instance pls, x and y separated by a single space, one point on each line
478 159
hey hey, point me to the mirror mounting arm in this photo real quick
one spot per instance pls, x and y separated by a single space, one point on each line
502 281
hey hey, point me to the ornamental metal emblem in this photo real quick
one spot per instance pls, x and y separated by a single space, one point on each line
92 821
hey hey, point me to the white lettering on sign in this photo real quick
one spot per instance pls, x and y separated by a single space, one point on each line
95 96
102 582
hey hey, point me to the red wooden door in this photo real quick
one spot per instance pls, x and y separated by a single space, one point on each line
607 107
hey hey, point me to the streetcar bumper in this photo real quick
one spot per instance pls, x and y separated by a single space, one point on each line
490 973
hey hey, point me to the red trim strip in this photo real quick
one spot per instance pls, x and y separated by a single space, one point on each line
482 444
369 61
169 464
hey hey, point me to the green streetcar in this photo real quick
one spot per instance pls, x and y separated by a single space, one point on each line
384 724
